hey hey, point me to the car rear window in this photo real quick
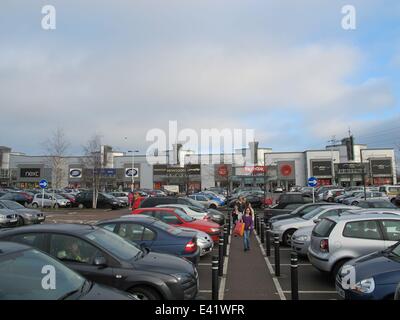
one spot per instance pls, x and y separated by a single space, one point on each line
362 230
324 228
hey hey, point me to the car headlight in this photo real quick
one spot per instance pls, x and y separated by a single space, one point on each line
302 238
2 216
365 286
214 229
181 276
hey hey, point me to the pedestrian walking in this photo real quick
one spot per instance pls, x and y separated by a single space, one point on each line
247 219
137 199
235 214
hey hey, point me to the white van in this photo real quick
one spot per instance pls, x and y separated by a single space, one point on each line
391 191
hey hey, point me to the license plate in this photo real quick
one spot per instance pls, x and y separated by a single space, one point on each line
340 292
41 218
13 220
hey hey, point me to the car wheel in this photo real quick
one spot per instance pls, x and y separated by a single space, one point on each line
213 206
287 237
145 293
35 205
56 206
330 199
26 204
21 221
354 203
337 267
81 206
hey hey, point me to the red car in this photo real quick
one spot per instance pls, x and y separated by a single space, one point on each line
178 218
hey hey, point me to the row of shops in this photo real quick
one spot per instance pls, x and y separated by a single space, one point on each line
283 169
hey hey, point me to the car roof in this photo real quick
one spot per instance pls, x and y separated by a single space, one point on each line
156 208
374 200
131 217
364 216
71 228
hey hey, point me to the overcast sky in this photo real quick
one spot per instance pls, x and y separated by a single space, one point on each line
118 68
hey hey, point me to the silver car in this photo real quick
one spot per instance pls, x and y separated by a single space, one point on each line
49 201
24 215
301 240
360 196
204 241
286 228
336 240
7 218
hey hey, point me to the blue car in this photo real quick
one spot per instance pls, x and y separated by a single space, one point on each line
212 197
376 276
152 234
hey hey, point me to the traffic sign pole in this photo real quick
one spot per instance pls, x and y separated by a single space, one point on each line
42 196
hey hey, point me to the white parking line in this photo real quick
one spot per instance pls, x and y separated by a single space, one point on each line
204 264
288 264
205 291
271 270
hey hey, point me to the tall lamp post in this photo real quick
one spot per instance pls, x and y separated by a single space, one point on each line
133 164
363 173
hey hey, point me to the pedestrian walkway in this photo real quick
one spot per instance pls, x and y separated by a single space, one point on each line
248 277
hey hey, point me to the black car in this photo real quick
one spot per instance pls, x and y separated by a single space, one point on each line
103 257
21 278
255 200
104 200
22 198
155 235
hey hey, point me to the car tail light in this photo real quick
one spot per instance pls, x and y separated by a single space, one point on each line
191 247
324 245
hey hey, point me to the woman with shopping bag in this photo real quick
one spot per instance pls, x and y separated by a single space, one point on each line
248 223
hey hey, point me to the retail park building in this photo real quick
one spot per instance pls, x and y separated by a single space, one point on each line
341 164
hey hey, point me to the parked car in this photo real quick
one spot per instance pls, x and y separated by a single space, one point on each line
190 211
336 240
359 196
390 190
308 191
104 257
85 199
298 212
214 197
70 197
155 201
348 194
178 218
205 200
204 241
123 196
21 278
319 192
255 200
50 201
376 204
301 240
331 194
24 215
22 198
155 235
376 276
286 228
8 218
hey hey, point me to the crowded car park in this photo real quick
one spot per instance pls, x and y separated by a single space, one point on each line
170 239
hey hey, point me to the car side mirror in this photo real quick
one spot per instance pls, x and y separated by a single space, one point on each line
317 221
100 262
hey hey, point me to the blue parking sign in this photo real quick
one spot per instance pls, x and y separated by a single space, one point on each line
312 182
43 184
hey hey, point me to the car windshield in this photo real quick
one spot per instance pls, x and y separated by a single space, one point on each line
313 213
12 205
114 244
108 196
193 202
59 197
396 250
197 209
167 227
183 215
21 277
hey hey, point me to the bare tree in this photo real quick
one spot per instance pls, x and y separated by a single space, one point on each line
56 147
92 160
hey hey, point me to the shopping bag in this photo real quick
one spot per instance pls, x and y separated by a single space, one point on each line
239 229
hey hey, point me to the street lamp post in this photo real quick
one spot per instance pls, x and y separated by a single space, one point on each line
133 164
363 173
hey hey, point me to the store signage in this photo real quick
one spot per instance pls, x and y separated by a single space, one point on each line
321 168
128 172
255 169
350 168
381 167
30 173
75 173
286 170
223 170
162 170
107 172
